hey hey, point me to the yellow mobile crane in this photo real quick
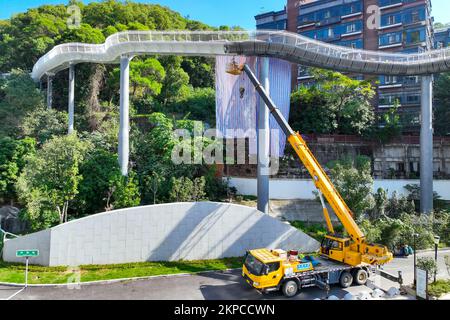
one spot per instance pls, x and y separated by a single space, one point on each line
351 254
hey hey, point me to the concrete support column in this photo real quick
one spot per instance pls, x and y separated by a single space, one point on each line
426 146
49 91
71 97
124 130
263 141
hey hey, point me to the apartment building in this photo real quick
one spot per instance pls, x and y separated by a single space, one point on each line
442 37
402 26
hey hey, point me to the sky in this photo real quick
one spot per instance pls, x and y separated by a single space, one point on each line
212 12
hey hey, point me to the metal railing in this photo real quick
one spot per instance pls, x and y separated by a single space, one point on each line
223 37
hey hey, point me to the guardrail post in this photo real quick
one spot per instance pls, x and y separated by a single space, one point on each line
124 130
263 141
426 146
71 98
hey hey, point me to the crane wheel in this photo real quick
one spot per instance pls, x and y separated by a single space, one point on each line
346 279
360 277
290 288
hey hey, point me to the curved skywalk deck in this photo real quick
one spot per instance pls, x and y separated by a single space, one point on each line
280 44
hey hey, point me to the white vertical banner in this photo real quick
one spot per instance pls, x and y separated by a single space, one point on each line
237 101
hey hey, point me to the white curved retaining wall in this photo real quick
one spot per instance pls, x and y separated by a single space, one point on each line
169 232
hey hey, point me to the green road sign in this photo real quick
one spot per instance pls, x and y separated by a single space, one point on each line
27 253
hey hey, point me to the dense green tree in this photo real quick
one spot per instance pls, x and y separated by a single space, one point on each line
12 161
153 160
310 112
84 34
67 176
30 35
176 83
42 124
18 96
439 25
335 103
199 104
125 192
442 105
146 77
103 187
353 180
390 123
50 179
200 70
105 137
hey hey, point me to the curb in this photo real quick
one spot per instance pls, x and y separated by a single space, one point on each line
432 250
9 284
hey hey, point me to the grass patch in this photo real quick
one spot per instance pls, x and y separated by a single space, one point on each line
14 273
439 288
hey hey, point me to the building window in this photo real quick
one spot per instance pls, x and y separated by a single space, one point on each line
351 28
390 38
411 80
415 16
391 20
415 36
412 99
390 79
327 14
330 33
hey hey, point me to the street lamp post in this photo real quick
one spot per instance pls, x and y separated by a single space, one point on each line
415 235
436 245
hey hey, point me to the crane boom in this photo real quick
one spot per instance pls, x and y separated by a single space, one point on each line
352 253
321 179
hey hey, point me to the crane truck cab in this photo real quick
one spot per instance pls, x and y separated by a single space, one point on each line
274 270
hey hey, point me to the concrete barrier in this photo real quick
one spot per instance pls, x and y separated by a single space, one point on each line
168 232
291 189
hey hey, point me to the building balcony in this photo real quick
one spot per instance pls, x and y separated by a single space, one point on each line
391 4
390 26
390 85
354 33
391 45
307 24
351 15
328 21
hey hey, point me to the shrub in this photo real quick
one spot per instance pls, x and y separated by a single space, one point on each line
439 288
428 264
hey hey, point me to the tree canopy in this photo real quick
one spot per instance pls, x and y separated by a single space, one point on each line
335 103
442 108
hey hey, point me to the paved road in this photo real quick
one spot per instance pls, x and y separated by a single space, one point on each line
209 286
406 265
227 285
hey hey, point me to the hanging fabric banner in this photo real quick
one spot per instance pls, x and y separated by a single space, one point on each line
237 102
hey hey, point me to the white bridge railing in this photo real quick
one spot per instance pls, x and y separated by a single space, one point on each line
222 38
